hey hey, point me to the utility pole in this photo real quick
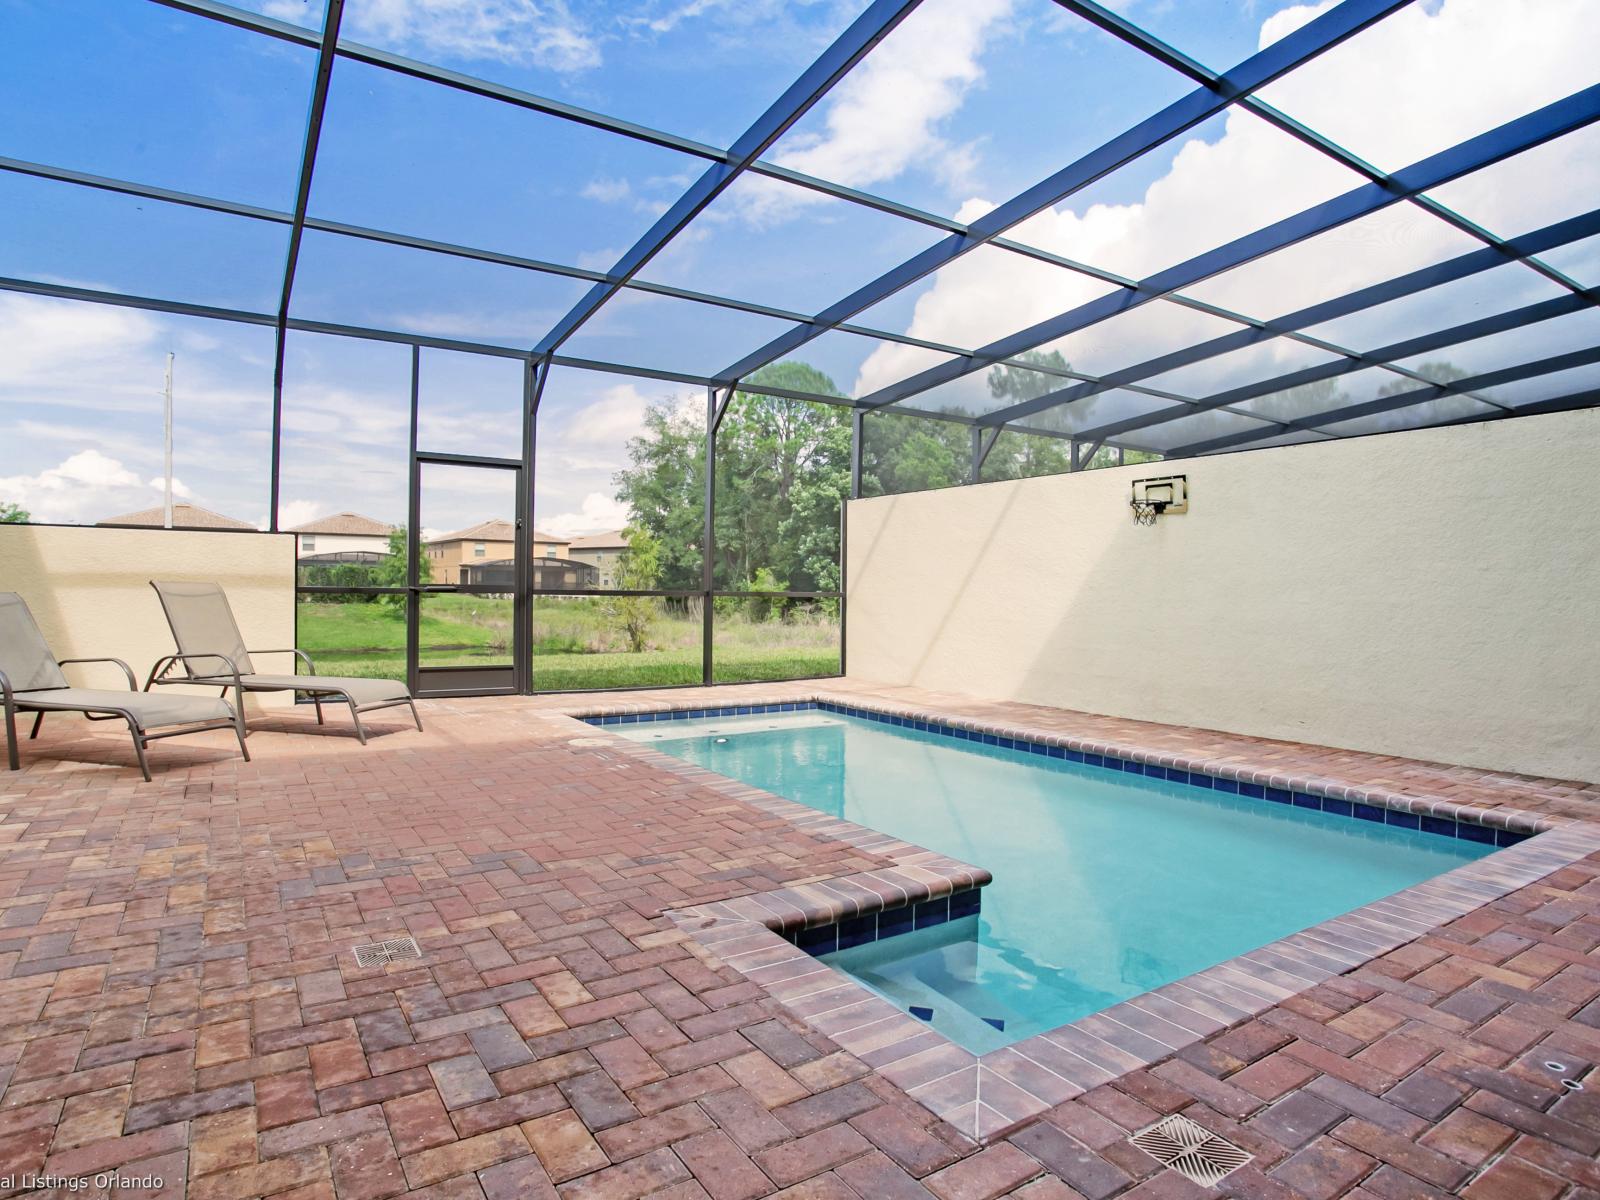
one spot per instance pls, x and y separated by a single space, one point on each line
166 508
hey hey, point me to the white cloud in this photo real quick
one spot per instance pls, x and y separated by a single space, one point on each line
480 325
610 419
179 489
535 33
42 334
667 21
607 191
598 513
298 512
81 404
85 487
586 422
1408 87
885 116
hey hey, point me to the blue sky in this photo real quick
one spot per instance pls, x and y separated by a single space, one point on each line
962 106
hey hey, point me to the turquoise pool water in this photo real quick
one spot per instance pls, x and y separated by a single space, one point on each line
1105 884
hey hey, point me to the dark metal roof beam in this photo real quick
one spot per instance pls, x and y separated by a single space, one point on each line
333 14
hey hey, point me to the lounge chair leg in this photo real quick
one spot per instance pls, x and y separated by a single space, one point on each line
38 720
239 731
11 736
414 715
138 748
355 715
317 700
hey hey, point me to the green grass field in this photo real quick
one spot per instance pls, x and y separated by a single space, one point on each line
576 642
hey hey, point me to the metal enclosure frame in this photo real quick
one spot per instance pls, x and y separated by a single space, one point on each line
1213 92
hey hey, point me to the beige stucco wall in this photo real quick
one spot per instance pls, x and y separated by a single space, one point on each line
89 589
1434 594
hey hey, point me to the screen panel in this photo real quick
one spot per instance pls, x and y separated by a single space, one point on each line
776 243
60 233
965 104
82 415
1412 84
352 281
1229 177
346 432
700 70
414 157
469 403
143 92
641 329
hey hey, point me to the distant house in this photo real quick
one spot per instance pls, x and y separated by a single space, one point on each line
184 516
603 552
341 534
481 544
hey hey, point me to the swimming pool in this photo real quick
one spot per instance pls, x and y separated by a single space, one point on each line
1106 884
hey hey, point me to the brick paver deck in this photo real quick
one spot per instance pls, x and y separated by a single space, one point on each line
178 999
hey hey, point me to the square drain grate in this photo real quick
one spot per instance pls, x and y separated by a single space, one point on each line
377 954
1190 1149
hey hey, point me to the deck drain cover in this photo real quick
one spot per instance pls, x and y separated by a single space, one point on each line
1190 1149
393 950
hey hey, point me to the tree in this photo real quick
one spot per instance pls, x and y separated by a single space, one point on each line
1441 408
1015 384
1439 371
1018 455
639 571
664 490
13 514
782 470
903 452
391 568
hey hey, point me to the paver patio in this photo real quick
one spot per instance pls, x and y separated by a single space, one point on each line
178 998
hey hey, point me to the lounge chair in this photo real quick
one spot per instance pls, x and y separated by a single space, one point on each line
211 651
32 681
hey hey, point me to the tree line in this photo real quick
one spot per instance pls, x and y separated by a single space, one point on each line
783 472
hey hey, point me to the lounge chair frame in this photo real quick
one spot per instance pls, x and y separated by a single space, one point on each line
142 737
159 672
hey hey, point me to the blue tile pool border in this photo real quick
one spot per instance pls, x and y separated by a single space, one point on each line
884 923
1481 832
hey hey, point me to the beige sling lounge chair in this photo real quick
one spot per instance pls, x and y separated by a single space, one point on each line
211 651
32 681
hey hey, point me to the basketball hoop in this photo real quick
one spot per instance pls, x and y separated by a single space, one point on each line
1164 497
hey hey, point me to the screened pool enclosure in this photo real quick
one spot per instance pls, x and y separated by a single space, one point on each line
602 318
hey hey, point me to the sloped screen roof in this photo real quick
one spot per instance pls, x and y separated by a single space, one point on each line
1183 228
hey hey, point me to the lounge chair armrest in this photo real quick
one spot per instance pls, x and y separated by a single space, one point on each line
133 684
297 652
5 689
166 664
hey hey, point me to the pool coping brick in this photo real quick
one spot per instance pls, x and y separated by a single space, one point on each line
178 997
